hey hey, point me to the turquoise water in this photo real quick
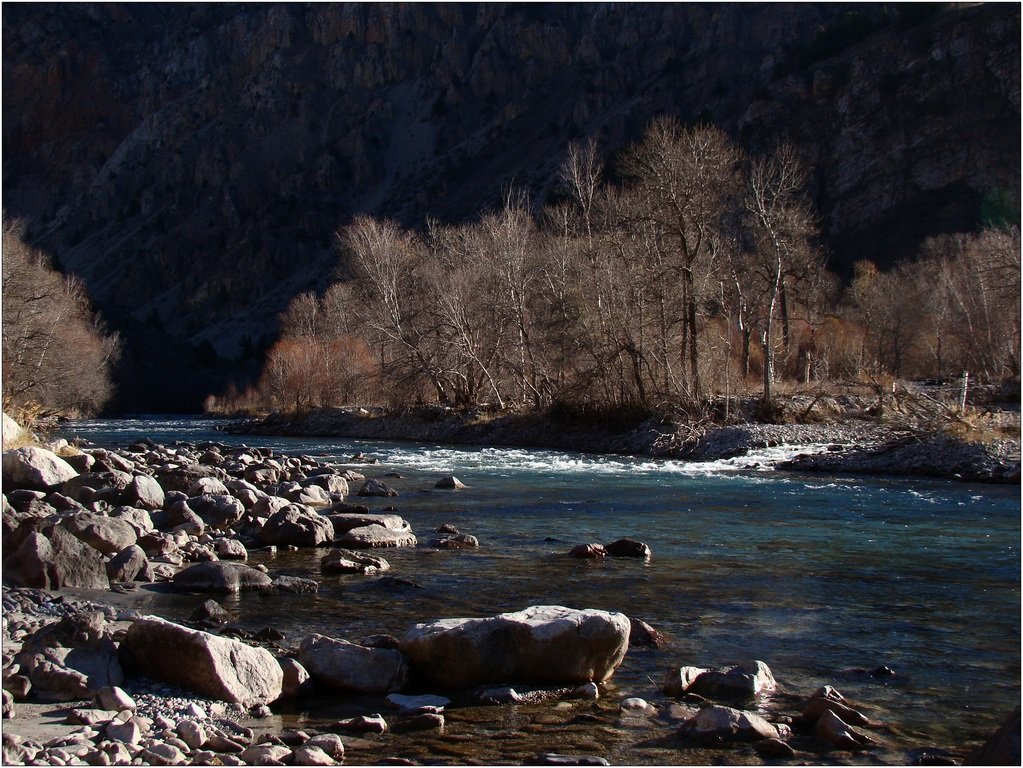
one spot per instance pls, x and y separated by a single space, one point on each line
819 576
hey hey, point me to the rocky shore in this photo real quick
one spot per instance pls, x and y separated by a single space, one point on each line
848 440
90 680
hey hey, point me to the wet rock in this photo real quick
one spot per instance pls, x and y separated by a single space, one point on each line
642 635
589 691
376 537
349 561
37 468
297 680
627 548
295 585
363 724
210 611
424 722
774 749
828 699
716 722
198 661
502 695
832 729
449 483
744 680
221 577
1003 747
588 551
347 666
634 705
542 643
460 541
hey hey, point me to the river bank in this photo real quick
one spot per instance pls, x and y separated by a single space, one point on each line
849 440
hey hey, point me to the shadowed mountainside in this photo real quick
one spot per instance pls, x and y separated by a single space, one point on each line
192 162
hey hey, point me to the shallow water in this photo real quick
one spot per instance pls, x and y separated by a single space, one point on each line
819 576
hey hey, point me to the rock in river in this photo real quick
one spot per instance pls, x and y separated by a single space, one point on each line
347 666
547 643
219 576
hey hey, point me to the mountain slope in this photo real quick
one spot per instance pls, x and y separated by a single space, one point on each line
191 162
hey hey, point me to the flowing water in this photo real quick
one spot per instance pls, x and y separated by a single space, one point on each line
822 577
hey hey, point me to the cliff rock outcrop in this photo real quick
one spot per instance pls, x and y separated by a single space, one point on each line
192 162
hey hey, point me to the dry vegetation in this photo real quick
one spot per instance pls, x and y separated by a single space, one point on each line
701 275
56 352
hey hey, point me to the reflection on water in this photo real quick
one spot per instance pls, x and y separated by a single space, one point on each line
820 577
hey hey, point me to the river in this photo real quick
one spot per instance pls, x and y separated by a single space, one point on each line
821 577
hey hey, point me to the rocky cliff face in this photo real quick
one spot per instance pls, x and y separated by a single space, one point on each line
191 162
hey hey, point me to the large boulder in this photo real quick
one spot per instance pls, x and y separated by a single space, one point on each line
54 560
547 643
219 511
346 521
297 526
130 564
375 537
143 491
108 535
218 667
11 431
376 487
350 667
84 487
183 477
72 658
218 576
32 467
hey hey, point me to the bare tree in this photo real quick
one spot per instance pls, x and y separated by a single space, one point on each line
687 177
782 224
56 349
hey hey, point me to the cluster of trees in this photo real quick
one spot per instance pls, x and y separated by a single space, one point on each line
57 355
699 271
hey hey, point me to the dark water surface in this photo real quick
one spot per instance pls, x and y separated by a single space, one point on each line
819 576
